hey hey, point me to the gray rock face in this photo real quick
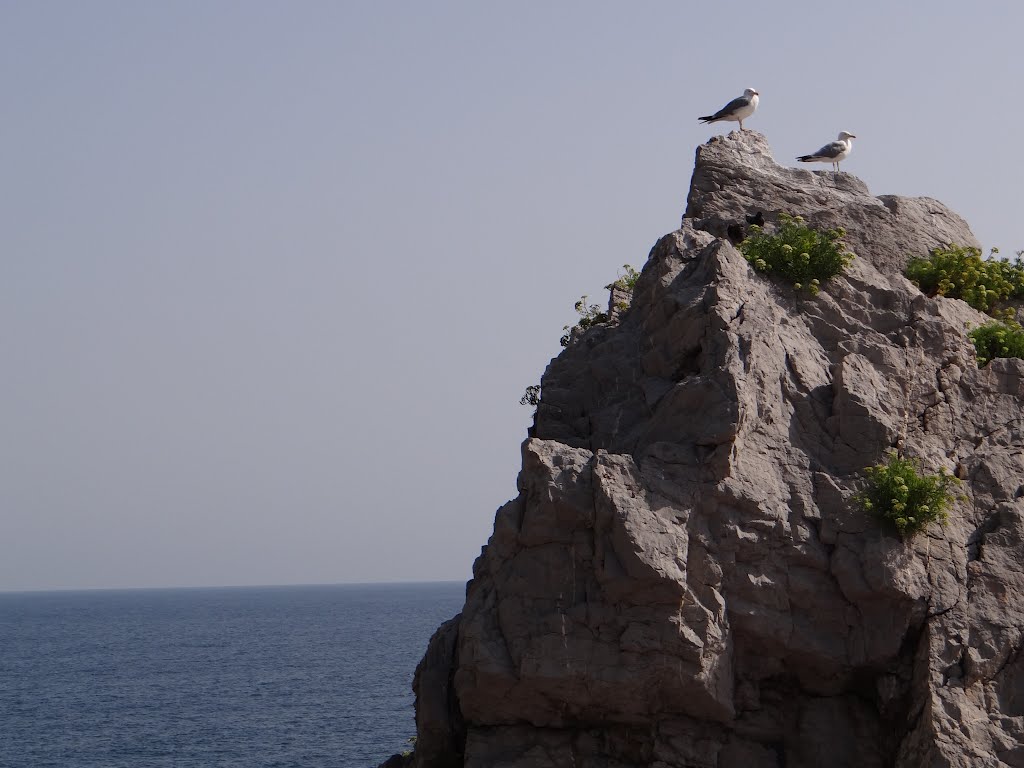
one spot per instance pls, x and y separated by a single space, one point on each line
440 730
683 579
736 174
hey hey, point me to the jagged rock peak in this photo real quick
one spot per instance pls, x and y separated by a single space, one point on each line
736 176
684 580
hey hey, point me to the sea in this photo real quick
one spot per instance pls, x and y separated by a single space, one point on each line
242 677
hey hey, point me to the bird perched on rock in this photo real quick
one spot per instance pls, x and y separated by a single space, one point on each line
832 153
737 110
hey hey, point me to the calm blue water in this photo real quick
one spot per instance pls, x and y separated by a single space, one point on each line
294 677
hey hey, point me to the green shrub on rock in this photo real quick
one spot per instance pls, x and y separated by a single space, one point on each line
960 272
626 281
804 256
590 314
904 498
998 339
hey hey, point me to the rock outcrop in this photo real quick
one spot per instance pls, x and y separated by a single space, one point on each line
683 579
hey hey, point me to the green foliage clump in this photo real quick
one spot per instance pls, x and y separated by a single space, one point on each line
904 498
627 280
960 272
590 315
804 256
998 339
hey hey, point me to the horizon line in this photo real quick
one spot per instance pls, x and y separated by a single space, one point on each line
402 582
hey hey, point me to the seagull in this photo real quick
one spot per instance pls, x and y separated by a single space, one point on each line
832 153
737 110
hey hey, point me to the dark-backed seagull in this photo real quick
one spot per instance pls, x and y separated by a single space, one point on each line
737 110
832 153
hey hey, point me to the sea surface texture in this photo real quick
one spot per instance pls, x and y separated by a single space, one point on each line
291 677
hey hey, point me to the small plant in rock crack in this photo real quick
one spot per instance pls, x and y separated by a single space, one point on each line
627 280
804 256
997 339
590 314
902 497
960 272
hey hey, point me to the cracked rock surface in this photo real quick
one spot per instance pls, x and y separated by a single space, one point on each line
683 579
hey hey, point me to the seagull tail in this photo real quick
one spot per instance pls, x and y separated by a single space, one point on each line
806 158
707 119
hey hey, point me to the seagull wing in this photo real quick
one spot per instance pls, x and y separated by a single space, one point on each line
831 151
733 106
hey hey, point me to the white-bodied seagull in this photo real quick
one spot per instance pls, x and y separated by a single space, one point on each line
737 110
833 153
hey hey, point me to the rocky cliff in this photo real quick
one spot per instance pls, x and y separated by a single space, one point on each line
683 579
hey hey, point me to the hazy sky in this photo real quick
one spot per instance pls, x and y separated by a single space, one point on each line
273 276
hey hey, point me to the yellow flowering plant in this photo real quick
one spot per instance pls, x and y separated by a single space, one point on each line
904 498
806 257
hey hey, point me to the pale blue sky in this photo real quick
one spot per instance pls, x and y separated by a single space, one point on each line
273 276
